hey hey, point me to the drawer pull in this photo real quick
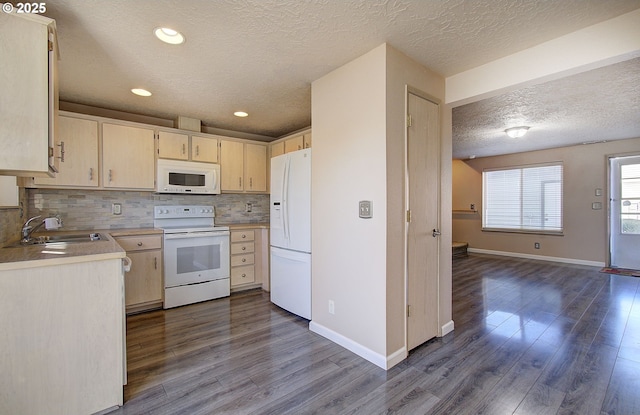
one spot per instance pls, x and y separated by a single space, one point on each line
244 275
139 243
244 235
244 248
244 259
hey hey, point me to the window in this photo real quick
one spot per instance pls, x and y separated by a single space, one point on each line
523 199
630 195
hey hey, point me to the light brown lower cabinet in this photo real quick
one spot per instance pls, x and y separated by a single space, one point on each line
143 284
249 258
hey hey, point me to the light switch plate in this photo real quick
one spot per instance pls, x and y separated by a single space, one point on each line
366 209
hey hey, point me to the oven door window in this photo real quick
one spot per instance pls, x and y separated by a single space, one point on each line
190 260
198 258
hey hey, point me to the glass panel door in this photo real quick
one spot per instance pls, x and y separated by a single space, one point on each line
625 212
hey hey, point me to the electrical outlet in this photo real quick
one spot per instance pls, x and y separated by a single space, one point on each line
116 209
536 245
248 207
332 307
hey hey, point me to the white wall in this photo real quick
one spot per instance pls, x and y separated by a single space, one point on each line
349 164
358 114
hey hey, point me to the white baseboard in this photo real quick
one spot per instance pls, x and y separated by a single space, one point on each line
446 328
384 362
396 357
538 257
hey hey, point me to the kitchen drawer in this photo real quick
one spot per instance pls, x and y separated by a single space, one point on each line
241 236
140 242
242 248
242 275
245 259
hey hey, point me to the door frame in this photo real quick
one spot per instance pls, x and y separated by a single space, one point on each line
609 215
415 91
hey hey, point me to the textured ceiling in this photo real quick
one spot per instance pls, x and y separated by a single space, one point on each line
601 104
261 56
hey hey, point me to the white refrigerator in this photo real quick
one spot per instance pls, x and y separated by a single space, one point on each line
290 232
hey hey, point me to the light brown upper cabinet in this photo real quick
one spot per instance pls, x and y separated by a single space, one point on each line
294 144
243 166
178 146
288 145
127 157
204 149
29 95
79 154
173 145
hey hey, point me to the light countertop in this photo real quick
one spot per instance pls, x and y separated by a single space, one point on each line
29 256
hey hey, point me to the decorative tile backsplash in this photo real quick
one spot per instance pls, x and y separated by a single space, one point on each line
91 209
11 220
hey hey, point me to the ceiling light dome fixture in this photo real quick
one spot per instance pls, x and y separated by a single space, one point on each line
141 92
168 35
516 132
240 114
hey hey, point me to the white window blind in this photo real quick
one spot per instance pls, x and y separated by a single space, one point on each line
523 198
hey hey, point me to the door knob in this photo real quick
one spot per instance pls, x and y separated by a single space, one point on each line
436 232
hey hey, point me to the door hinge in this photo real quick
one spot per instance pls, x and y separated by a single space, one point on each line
408 120
408 310
50 45
409 215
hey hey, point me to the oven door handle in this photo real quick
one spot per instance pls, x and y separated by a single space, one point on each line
194 235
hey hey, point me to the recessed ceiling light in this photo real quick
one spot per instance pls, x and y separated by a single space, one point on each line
516 132
141 92
240 114
168 35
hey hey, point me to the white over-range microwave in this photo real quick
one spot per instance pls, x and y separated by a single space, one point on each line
174 176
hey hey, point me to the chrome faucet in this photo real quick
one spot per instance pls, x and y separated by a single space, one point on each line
27 229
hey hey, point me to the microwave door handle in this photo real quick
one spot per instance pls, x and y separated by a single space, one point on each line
215 179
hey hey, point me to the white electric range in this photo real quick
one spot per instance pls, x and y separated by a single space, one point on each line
196 254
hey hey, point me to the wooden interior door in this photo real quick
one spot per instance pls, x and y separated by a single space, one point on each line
423 166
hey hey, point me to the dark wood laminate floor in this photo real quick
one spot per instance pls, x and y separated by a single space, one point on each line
530 338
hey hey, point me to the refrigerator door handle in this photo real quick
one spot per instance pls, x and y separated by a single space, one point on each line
285 197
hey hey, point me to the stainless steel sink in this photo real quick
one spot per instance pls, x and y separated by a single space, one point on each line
63 238
68 238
